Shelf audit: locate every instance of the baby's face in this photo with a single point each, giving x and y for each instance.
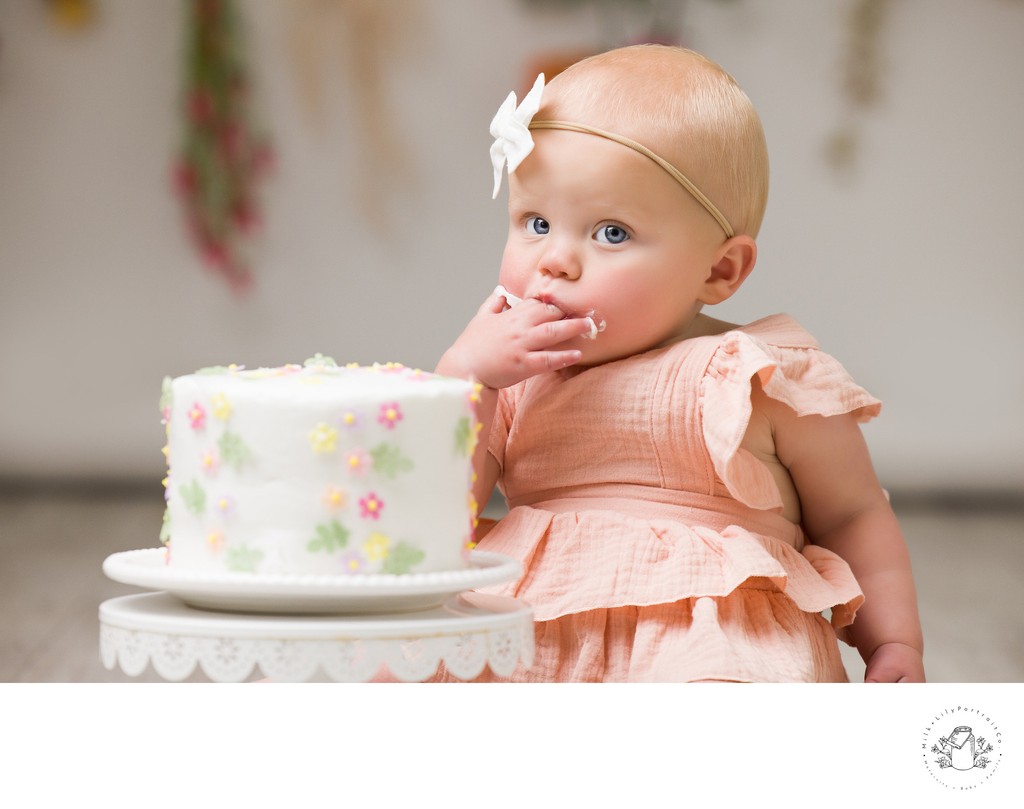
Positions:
(600, 230)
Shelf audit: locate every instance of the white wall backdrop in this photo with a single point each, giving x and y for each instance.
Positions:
(906, 268)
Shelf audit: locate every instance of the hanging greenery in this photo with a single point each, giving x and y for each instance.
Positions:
(222, 156)
(863, 68)
(626, 22)
(72, 15)
(361, 45)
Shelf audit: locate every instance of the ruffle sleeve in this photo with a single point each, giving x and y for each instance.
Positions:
(501, 426)
(801, 376)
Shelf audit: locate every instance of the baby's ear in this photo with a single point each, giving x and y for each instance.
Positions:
(733, 262)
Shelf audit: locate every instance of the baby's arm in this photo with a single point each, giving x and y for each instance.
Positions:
(845, 510)
(500, 347)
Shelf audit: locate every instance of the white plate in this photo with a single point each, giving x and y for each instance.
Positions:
(307, 593)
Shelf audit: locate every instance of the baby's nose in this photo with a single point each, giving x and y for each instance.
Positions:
(561, 261)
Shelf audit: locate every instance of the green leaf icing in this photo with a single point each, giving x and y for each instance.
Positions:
(464, 436)
(165, 394)
(320, 359)
(389, 461)
(165, 528)
(233, 450)
(243, 560)
(194, 497)
(402, 559)
(330, 537)
(213, 370)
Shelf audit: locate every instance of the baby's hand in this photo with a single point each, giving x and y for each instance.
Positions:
(895, 663)
(501, 347)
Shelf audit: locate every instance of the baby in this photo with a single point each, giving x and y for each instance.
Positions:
(687, 496)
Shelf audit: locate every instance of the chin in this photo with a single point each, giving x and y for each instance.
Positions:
(597, 355)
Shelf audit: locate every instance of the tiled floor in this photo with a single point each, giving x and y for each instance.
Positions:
(969, 564)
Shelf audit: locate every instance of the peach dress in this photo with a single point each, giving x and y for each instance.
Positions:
(653, 545)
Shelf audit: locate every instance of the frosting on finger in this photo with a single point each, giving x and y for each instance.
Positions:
(510, 299)
(596, 326)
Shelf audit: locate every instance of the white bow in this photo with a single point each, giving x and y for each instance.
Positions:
(510, 128)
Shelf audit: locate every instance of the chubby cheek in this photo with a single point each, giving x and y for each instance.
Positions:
(512, 272)
(618, 304)
(636, 319)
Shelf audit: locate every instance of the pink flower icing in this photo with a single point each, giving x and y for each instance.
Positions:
(371, 506)
(197, 416)
(390, 415)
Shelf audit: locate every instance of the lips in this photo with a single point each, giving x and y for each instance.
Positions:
(597, 324)
(551, 299)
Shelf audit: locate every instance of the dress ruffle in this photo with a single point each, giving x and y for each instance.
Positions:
(599, 559)
(801, 376)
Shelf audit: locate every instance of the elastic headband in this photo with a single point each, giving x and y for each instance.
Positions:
(677, 175)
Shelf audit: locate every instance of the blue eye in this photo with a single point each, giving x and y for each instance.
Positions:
(611, 234)
(538, 226)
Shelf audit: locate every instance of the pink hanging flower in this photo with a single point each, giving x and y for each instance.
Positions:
(371, 506)
(184, 178)
(390, 415)
(200, 106)
(197, 416)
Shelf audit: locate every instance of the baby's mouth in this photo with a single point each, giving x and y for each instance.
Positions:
(597, 324)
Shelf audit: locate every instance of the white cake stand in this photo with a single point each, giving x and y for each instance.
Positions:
(467, 632)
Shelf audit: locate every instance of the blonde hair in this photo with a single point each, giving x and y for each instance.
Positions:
(683, 107)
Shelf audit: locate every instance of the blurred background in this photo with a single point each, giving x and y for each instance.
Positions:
(343, 206)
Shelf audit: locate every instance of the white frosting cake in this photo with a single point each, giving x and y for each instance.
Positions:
(319, 469)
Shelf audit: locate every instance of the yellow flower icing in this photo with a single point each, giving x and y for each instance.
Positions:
(221, 407)
(377, 546)
(323, 438)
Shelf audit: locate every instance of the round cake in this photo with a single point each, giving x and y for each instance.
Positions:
(319, 469)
